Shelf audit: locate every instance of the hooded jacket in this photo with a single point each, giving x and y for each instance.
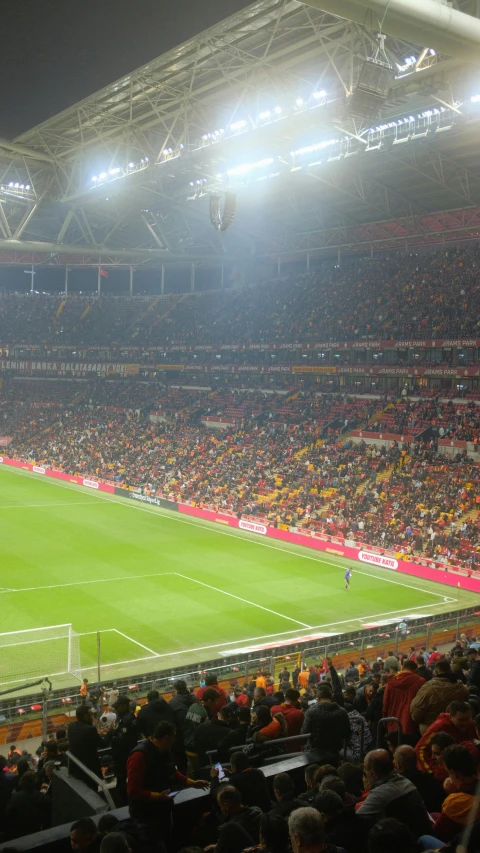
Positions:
(180, 703)
(399, 692)
(153, 713)
(423, 748)
(328, 726)
(455, 813)
(433, 699)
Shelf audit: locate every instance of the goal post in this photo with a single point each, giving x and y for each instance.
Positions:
(51, 652)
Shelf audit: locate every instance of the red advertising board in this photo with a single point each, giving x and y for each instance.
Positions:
(59, 475)
(365, 554)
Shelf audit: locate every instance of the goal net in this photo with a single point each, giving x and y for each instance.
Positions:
(52, 652)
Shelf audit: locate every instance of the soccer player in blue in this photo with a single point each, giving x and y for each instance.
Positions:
(348, 574)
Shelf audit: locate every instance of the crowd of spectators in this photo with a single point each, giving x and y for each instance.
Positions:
(401, 297)
(367, 786)
(281, 460)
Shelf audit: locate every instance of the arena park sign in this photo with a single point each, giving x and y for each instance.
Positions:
(378, 560)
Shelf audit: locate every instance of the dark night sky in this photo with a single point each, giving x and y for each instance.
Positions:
(55, 52)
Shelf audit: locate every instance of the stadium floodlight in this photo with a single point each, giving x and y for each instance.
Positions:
(131, 165)
(114, 171)
(317, 146)
(238, 125)
(102, 176)
(266, 114)
(17, 185)
(320, 94)
(475, 99)
(248, 167)
(11, 184)
(277, 110)
(299, 102)
(94, 179)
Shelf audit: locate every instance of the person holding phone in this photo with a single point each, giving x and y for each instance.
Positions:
(151, 777)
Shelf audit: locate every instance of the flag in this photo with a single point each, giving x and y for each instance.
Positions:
(103, 273)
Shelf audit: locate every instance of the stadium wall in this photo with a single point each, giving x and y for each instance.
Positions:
(363, 553)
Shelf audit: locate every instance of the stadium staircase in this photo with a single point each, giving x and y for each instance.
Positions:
(470, 517)
(60, 308)
(87, 310)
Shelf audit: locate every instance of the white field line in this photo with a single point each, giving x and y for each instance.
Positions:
(244, 538)
(43, 506)
(4, 591)
(245, 600)
(135, 642)
(247, 641)
(242, 642)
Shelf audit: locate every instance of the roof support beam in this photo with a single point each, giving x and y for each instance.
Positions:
(430, 23)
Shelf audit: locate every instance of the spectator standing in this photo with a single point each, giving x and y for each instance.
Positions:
(351, 673)
(327, 724)
(28, 810)
(181, 702)
(151, 775)
(237, 737)
(84, 694)
(433, 657)
(209, 735)
(422, 669)
(390, 660)
(154, 712)
(293, 715)
(400, 690)
(211, 682)
(84, 742)
(123, 738)
(473, 676)
(434, 697)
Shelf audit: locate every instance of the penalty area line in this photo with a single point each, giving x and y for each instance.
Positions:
(245, 600)
(85, 583)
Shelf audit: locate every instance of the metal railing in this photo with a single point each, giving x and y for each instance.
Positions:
(364, 643)
(91, 775)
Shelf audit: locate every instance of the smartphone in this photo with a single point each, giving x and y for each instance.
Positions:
(173, 793)
(221, 772)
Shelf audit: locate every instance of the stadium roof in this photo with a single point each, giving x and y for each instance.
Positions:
(258, 106)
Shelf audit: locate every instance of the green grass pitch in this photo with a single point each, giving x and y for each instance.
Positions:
(165, 589)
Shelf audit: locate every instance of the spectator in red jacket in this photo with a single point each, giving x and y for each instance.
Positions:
(211, 681)
(293, 714)
(457, 722)
(400, 689)
(434, 656)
